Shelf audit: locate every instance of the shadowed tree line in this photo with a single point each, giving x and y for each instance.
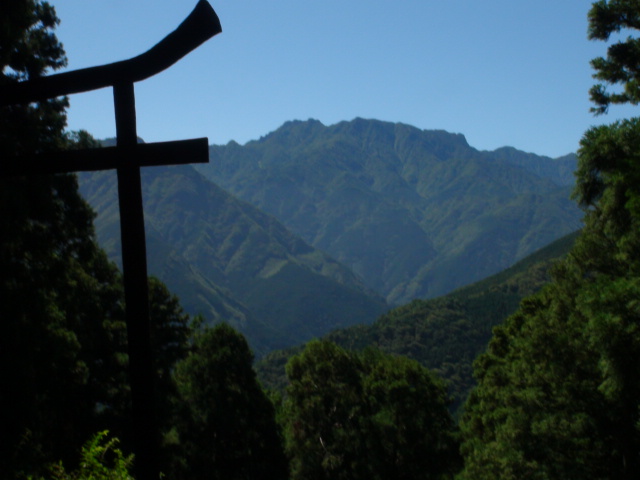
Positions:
(63, 348)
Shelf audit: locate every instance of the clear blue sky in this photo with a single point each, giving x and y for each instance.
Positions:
(501, 72)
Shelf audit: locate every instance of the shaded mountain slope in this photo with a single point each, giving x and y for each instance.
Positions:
(559, 170)
(414, 213)
(229, 261)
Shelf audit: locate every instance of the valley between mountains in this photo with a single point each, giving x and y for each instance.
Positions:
(313, 228)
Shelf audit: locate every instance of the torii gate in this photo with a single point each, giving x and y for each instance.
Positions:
(127, 158)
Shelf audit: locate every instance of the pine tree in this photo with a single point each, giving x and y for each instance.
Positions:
(366, 416)
(227, 427)
(559, 390)
(47, 256)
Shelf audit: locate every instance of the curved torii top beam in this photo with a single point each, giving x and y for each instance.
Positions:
(201, 24)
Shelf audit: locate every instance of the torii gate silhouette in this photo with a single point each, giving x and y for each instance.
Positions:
(127, 157)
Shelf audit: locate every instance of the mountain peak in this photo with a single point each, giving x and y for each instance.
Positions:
(293, 132)
(390, 132)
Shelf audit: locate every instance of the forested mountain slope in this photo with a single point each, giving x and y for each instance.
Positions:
(447, 333)
(229, 261)
(415, 213)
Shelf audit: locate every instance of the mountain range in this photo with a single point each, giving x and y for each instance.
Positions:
(314, 228)
(415, 213)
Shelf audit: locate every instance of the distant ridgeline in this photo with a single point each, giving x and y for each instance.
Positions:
(340, 222)
(415, 213)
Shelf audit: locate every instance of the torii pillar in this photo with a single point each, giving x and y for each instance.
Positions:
(127, 158)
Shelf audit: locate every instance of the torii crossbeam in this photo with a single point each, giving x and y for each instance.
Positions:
(127, 158)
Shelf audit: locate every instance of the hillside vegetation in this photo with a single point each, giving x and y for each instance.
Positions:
(415, 213)
(444, 334)
(403, 213)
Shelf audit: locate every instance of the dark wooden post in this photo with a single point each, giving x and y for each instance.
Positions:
(136, 290)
